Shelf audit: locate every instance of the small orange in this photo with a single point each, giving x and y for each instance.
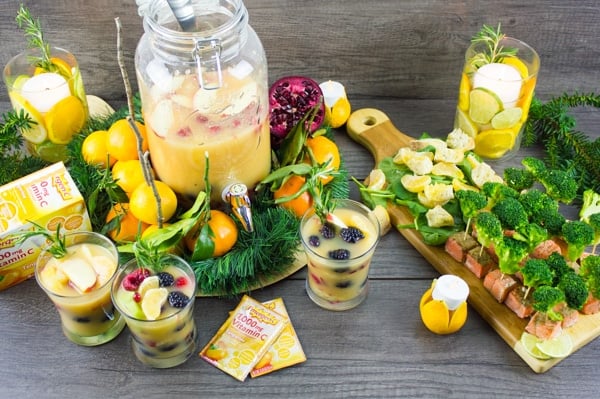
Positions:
(324, 150)
(224, 230)
(94, 150)
(129, 225)
(143, 204)
(128, 174)
(290, 187)
(122, 141)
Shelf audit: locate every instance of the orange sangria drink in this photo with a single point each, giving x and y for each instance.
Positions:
(339, 254)
(186, 122)
(51, 93)
(158, 304)
(495, 93)
(79, 284)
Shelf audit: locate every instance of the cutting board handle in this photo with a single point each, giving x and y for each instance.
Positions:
(373, 129)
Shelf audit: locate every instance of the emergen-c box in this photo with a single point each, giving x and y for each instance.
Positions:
(49, 198)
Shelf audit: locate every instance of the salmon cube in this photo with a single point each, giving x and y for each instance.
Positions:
(479, 262)
(516, 301)
(458, 244)
(499, 284)
(545, 249)
(543, 327)
(570, 316)
(591, 306)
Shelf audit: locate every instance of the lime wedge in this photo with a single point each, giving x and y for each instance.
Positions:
(153, 301)
(558, 347)
(484, 104)
(507, 118)
(530, 342)
(50, 151)
(463, 123)
(37, 131)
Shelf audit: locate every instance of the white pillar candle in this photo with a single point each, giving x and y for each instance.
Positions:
(332, 92)
(45, 90)
(451, 289)
(503, 79)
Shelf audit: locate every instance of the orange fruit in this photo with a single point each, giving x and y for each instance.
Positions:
(129, 225)
(65, 119)
(224, 233)
(143, 204)
(290, 187)
(122, 141)
(325, 150)
(94, 150)
(128, 174)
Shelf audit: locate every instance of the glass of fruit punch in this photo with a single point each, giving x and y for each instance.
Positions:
(78, 280)
(156, 298)
(495, 93)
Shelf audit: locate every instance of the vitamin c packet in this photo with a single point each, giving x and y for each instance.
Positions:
(244, 338)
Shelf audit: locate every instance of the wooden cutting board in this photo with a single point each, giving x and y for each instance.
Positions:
(374, 130)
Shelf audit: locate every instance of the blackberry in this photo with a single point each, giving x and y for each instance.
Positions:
(339, 254)
(178, 299)
(351, 235)
(343, 284)
(165, 279)
(314, 241)
(327, 231)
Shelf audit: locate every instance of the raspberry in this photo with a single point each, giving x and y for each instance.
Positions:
(165, 279)
(351, 235)
(181, 281)
(339, 254)
(132, 281)
(178, 299)
(137, 297)
(314, 241)
(327, 231)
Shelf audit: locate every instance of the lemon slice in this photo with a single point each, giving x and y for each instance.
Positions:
(65, 119)
(494, 143)
(339, 113)
(484, 105)
(463, 92)
(507, 118)
(415, 183)
(558, 347)
(153, 301)
(62, 67)
(147, 284)
(518, 64)
(447, 169)
(463, 123)
(376, 180)
(37, 131)
(529, 342)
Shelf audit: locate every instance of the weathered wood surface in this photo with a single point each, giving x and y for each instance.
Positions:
(402, 57)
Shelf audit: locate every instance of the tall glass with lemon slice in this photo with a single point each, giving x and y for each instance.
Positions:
(495, 94)
(52, 96)
(157, 302)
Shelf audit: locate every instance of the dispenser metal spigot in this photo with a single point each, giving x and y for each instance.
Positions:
(236, 195)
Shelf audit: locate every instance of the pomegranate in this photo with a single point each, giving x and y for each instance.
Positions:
(290, 99)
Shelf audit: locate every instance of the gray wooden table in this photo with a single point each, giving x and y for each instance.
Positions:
(403, 57)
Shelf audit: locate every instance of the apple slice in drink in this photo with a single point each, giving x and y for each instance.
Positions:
(81, 274)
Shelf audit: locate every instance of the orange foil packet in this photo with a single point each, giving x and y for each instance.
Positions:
(286, 350)
(244, 338)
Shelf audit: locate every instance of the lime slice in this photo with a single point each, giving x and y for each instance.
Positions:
(19, 82)
(153, 301)
(558, 347)
(484, 104)
(65, 119)
(76, 83)
(507, 118)
(463, 123)
(494, 143)
(37, 131)
(530, 342)
(147, 284)
(50, 151)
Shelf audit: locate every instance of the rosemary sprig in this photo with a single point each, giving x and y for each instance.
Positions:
(57, 247)
(35, 37)
(565, 147)
(491, 39)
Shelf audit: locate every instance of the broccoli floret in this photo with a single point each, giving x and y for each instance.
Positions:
(552, 220)
(533, 234)
(590, 272)
(575, 289)
(559, 185)
(518, 179)
(559, 266)
(578, 236)
(536, 272)
(534, 166)
(510, 253)
(594, 221)
(590, 205)
(471, 202)
(536, 202)
(495, 191)
(545, 298)
(489, 229)
(511, 213)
